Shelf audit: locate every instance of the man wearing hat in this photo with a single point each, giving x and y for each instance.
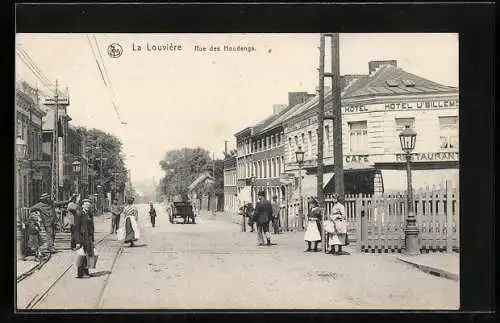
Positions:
(47, 209)
(263, 215)
(71, 214)
(276, 215)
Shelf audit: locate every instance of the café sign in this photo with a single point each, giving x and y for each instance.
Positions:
(439, 156)
(362, 159)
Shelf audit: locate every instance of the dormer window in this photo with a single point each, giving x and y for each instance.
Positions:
(409, 83)
(392, 83)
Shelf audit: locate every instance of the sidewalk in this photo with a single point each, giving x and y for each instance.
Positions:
(439, 263)
(29, 264)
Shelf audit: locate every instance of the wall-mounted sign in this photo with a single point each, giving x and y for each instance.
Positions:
(363, 159)
(421, 105)
(52, 101)
(440, 156)
(355, 108)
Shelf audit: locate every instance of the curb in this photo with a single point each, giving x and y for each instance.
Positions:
(432, 270)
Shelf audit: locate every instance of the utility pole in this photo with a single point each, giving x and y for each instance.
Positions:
(321, 115)
(338, 154)
(55, 151)
(225, 147)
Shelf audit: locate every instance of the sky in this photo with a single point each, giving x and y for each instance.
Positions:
(171, 99)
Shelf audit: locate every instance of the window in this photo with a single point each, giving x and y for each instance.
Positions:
(358, 139)
(327, 144)
(401, 123)
(274, 168)
(19, 127)
(290, 147)
(310, 140)
(448, 132)
(304, 144)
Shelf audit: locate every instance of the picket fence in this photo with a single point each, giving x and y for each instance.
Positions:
(376, 222)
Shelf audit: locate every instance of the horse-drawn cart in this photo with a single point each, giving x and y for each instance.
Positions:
(182, 210)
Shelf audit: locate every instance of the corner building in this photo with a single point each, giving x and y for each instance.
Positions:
(375, 109)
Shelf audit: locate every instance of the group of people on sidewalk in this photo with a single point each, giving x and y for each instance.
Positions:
(266, 216)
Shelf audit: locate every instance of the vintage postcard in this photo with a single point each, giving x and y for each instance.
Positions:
(237, 171)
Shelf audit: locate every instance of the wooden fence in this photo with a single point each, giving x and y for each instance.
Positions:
(376, 222)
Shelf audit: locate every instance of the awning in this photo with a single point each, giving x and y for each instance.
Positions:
(245, 194)
(310, 184)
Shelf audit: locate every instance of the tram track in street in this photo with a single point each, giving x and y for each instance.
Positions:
(39, 297)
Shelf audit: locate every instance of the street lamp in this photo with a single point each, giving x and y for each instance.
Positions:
(76, 170)
(407, 139)
(299, 156)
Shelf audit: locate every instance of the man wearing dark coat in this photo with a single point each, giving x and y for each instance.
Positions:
(84, 229)
(47, 209)
(263, 215)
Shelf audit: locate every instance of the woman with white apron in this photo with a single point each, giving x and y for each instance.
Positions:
(313, 231)
(129, 232)
(337, 236)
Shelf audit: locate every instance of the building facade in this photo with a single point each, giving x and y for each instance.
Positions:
(30, 169)
(230, 185)
(375, 109)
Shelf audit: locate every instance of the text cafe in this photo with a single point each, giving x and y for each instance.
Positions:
(443, 104)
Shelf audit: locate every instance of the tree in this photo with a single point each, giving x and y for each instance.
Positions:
(114, 173)
(182, 167)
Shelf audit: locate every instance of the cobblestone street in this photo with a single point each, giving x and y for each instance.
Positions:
(212, 265)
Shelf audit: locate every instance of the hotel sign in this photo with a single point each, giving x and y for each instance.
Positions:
(398, 106)
(421, 105)
(440, 156)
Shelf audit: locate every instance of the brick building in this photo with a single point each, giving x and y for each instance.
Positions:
(230, 185)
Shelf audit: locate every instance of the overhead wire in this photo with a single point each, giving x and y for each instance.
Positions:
(35, 70)
(106, 80)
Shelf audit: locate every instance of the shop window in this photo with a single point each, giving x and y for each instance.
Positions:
(358, 136)
(448, 128)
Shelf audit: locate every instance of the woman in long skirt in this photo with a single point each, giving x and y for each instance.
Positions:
(313, 232)
(339, 236)
(131, 216)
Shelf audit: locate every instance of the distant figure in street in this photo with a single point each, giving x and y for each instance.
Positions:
(152, 214)
(339, 236)
(247, 211)
(313, 231)
(276, 215)
(47, 210)
(116, 211)
(263, 215)
(84, 228)
(131, 215)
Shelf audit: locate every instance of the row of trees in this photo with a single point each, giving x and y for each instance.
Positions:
(100, 144)
(183, 166)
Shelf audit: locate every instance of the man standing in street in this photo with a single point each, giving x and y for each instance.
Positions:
(276, 215)
(263, 215)
(47, 209)
(152, 214)
(71, 214)
(116, 211)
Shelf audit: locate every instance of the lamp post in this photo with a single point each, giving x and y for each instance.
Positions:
(99, 199)
(76, 170)
(407, 139)
(299, 156)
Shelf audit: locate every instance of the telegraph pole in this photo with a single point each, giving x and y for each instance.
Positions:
(55, 150)
(338, 154)
(321, 115)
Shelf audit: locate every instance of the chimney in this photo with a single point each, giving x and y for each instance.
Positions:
(295, 98)
(374, 65)
(277, 108)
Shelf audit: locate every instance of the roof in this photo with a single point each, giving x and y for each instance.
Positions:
(200, 179)
(391, 80)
